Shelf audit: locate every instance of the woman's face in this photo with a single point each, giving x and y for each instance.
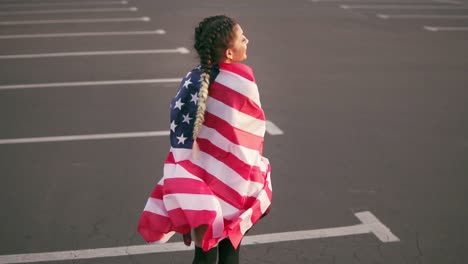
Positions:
(238, 50)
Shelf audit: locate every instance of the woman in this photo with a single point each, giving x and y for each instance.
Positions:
(216, 183)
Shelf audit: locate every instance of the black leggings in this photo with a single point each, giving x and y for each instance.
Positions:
(225, 251)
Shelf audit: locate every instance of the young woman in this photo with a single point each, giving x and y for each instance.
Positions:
(216, 182)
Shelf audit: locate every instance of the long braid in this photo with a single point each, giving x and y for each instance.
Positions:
(212, 38)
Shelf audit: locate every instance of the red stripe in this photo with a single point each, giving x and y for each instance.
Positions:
(239, 69)
(248, 172)
(187, 219)
(157, 192)
(233, 134)
(184, 185)
(152, 227)
(236, 100)
(218, 187)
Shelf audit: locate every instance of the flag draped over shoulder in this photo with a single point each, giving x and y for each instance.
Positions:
(228, 186)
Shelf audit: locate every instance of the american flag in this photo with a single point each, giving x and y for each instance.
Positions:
(227, 186)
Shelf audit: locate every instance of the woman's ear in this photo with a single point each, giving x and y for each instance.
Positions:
(229, 54)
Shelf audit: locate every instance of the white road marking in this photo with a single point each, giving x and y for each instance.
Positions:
(92, 137)
(66, 4)
(90, 83)
(419, 7)
(84, 34)
(415, 16)
(435, 28)
(370, 224)
(447, 2)
(83, 137)
(272, 129)
(94, 53)
(63, 21)
(76, 10)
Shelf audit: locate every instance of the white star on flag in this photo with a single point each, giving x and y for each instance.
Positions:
(187, 83)
(194, 98)
(187, 118)
(181, 139)
(173, 126)
(178, 104)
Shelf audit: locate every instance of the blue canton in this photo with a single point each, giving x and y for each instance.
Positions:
(183, 110)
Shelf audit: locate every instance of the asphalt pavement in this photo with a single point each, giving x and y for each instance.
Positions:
(372, 100)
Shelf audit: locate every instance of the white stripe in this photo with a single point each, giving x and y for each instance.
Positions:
(178, 171)
(93, 53)
(239, 84)
(62, 21)
(375, 226)
(415, 16)
(420, 7)
(265, 202)
(436, 28)
(227, 175)
(190, 201)
(84, 137)
(447, 2)
(249, 156)
(229, 212)
(246, 222)
(235, 118)
(84, 34)
(77, 10)
(66, 4)
(156, 206)
(94, 83)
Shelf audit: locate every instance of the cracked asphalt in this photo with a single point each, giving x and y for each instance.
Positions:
(374, 113)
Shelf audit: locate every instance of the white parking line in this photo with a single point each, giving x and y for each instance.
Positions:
(447, 2)
(90, 83)
(76, 10)
(84, 34)
(419, 7)
(66, 4)
(416, 16)
(272, 129)
(83, 137)
(370, 224)
(63, 21)
(103, 136)
(435, 28)
(181, 50)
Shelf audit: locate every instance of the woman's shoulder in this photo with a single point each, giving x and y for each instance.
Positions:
(239, 69)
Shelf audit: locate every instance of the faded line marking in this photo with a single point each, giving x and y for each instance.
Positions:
(90, 83)
(272, 129)
(370, 224)
(181, 50)
(419, 7)
(416, 16)
(84, 137)
(64, 21)
(66, 4)
(84, 34)
(436, 28)
(76, 10)
(87, 137)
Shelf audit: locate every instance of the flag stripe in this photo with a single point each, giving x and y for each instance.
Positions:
(236, 118)
(235, 100)
(248, 156)
(248, 172)
(239, 70)
(235, 135)
(239, 84)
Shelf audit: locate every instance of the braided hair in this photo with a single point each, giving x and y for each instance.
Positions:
(212, 37)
